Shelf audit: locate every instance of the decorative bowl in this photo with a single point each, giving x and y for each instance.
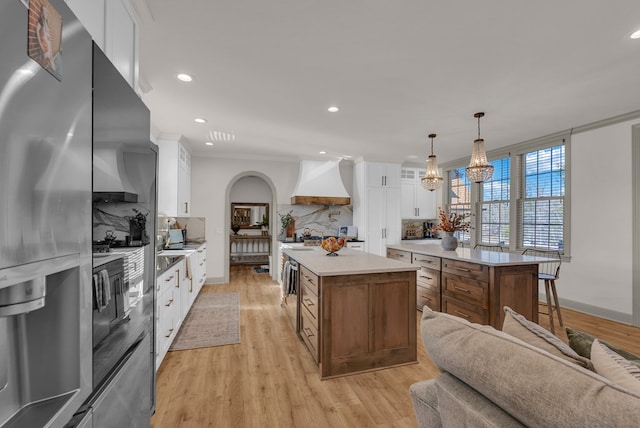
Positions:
(332, 245)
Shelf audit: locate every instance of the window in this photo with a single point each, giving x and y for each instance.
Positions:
(460, 198)
(525, 203)
(495, 205)
(542, 194)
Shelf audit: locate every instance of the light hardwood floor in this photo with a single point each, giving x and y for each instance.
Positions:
(270, 380)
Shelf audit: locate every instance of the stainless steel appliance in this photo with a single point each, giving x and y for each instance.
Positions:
(124, 360)
(50, 373)
(45, 225)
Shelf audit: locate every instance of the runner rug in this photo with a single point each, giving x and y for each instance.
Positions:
(214, 320)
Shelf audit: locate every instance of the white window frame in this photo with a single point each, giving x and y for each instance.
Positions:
(494, 204)
(514, 153)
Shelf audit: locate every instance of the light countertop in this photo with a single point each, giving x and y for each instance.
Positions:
(489, 258)
(347, 262)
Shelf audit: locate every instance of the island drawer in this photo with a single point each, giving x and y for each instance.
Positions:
(404, 256)
(309, 278)
(309, 334)
(310, 302)
(430, 262)
(464, 310)
(430, 298)
(428, 278)
(466, 269)
(465, 289)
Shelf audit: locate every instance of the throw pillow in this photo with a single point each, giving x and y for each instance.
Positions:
(614, 367)
(529, 332)
(581, 343)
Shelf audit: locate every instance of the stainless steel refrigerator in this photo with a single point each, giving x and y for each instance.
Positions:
(51, 374)
(45, 219)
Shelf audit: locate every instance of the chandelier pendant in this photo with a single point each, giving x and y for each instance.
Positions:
(479, 169)
(432, 179)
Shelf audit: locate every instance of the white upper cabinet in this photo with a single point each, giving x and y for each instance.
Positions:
(113, 26)
(174, 178)
(383, 174)
(376, 205)
(417, 202)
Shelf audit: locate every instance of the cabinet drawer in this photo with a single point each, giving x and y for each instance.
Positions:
(429, 279)
(166, 280)
(310, 301)
(430, 298)
(404, 256)
(309, 334)
(430, 262)
(465, 289)
(464, 310)
(309, 279)
(466, 269)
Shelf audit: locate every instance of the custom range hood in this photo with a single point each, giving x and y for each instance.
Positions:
(110, 182)
(319, 183)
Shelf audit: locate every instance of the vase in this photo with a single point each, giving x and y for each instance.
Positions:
(449, 241)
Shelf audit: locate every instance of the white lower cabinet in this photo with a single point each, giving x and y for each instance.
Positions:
(200, 270)
(356, 245)
(175, 294)
(167, 310)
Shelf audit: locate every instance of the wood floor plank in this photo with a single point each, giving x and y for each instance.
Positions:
(271, 380)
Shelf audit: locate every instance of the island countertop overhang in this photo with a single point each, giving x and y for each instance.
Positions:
(489, 258)
(347, 262)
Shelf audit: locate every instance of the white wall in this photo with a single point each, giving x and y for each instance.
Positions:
(210, 179)
(251, 189)
(600, 271)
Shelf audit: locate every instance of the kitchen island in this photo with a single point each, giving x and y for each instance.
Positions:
(473, 284)
(356, 311)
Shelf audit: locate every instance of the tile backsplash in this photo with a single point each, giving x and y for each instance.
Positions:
(320, 219)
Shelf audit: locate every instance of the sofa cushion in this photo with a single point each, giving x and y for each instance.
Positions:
(518, 326)
(581, 343)
(425, 403)
(614, 367)
(533, 386)
(462, 406)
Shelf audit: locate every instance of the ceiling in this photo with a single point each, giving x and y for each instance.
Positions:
(267, 71)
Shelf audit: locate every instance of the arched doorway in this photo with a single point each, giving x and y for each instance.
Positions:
(250, 190)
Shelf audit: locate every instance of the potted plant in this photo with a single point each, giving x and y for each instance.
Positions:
(288, 223)
(449, 224)
(264, 225)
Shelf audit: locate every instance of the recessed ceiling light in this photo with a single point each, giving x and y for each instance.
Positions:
(347, 156)
(209, 143)
(200, 120)
(333, 109)
(184, 77)
(636, 35)
(323, 152)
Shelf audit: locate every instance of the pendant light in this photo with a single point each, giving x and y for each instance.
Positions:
(432, 180)
(479, 169)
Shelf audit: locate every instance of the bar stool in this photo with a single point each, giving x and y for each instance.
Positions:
(488, 247)
(549, 272)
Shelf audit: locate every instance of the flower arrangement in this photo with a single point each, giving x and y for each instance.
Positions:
(451, 222)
